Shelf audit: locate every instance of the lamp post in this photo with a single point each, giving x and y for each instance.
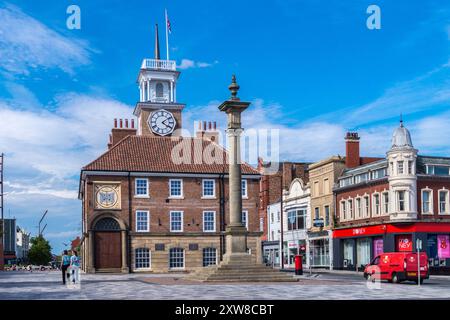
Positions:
(43, 216)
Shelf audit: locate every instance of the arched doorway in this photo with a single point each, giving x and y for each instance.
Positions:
(108, 244)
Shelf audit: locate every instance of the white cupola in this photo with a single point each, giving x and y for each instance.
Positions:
(402, 158)
(158, 112)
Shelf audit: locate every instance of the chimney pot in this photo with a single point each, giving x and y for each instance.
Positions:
(132, 123)
(121, 123)
(115, 123)
(204, 125)
(209, 126)
(214, 125)
(126, 123)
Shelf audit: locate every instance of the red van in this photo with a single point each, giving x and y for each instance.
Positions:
(397, 267)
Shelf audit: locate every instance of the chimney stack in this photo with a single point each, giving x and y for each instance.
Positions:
(352, 157)
(207, 130)
(118, 133)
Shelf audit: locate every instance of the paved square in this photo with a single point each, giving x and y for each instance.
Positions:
(47, 285)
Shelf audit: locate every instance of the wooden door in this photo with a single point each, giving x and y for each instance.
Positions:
(108, 250)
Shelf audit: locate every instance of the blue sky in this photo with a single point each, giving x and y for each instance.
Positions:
(312, 69)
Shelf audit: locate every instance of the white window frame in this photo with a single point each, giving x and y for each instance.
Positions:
(148, 220)
(246, 218)
(401, 172)
(181, 196)
(397, 200)
(383, 203)
(214, 221)
(182, 220)
(184, 259)
(244, 194)
(213, 196)
(343, 215)
(146, 195)
(367, 206)
(374, 204)
(149, 260)
(358, 211)
(431, 205)
(447, 204)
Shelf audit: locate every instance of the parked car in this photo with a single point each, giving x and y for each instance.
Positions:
(397, 267)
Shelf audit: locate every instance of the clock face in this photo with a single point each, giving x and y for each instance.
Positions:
(162, 122)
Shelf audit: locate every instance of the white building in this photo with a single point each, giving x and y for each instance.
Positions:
(272, 245)
(296, 221)
(22, 244)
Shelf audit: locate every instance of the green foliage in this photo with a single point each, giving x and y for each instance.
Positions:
(40, 251)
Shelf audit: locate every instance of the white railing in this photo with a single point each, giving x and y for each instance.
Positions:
(159, 64)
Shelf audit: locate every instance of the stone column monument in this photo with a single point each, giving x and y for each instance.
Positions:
(237, 264)
(236, 233)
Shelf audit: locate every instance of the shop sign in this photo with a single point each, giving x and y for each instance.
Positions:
(404, 243)
(292, 244)
(443, 246)
(359, 231)
(318, 223)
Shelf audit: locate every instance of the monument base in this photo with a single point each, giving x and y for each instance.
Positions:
(238, 265)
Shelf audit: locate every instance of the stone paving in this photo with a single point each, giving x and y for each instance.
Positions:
(47, 285)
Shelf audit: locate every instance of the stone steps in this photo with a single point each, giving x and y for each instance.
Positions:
(242, 273)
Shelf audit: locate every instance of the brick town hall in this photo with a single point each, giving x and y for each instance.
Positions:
(142, 208)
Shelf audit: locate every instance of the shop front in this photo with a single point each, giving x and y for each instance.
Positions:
(271, 253)
(291, 248)
(320, 249)
(353, 248)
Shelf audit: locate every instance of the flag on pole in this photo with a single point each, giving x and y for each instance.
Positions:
(168, 30)
(168, 24)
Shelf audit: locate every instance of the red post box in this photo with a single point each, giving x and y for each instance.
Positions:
(298, 265)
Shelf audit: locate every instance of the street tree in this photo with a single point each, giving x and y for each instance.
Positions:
(40, 251)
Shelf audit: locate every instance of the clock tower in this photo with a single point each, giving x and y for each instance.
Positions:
(157, 112)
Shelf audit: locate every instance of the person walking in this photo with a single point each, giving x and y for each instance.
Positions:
(65, 263)
(75, 267)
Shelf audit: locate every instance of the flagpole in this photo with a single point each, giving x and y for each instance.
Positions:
(167, 38)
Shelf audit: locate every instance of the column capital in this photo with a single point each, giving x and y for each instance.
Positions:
(234, 132)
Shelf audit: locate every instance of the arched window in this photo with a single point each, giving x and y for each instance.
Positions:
(159, 90)
(142, 258)
(107, 224)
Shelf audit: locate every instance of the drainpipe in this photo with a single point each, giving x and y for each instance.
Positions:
(281, 221)
(222, 214)
(130, 212)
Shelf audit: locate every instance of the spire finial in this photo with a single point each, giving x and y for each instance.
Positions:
(401, 120)
(234, 88)
(156, 42)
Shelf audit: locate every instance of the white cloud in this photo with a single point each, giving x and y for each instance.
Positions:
(27, 44)
(45, 150)
(188, 64)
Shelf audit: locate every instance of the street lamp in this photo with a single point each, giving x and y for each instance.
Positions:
(43, 216)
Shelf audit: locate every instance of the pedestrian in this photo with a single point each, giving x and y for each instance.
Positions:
(65, 263)
(75, 267)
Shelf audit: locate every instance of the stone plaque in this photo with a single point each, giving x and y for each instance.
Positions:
(160, 247)
(193, 246)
